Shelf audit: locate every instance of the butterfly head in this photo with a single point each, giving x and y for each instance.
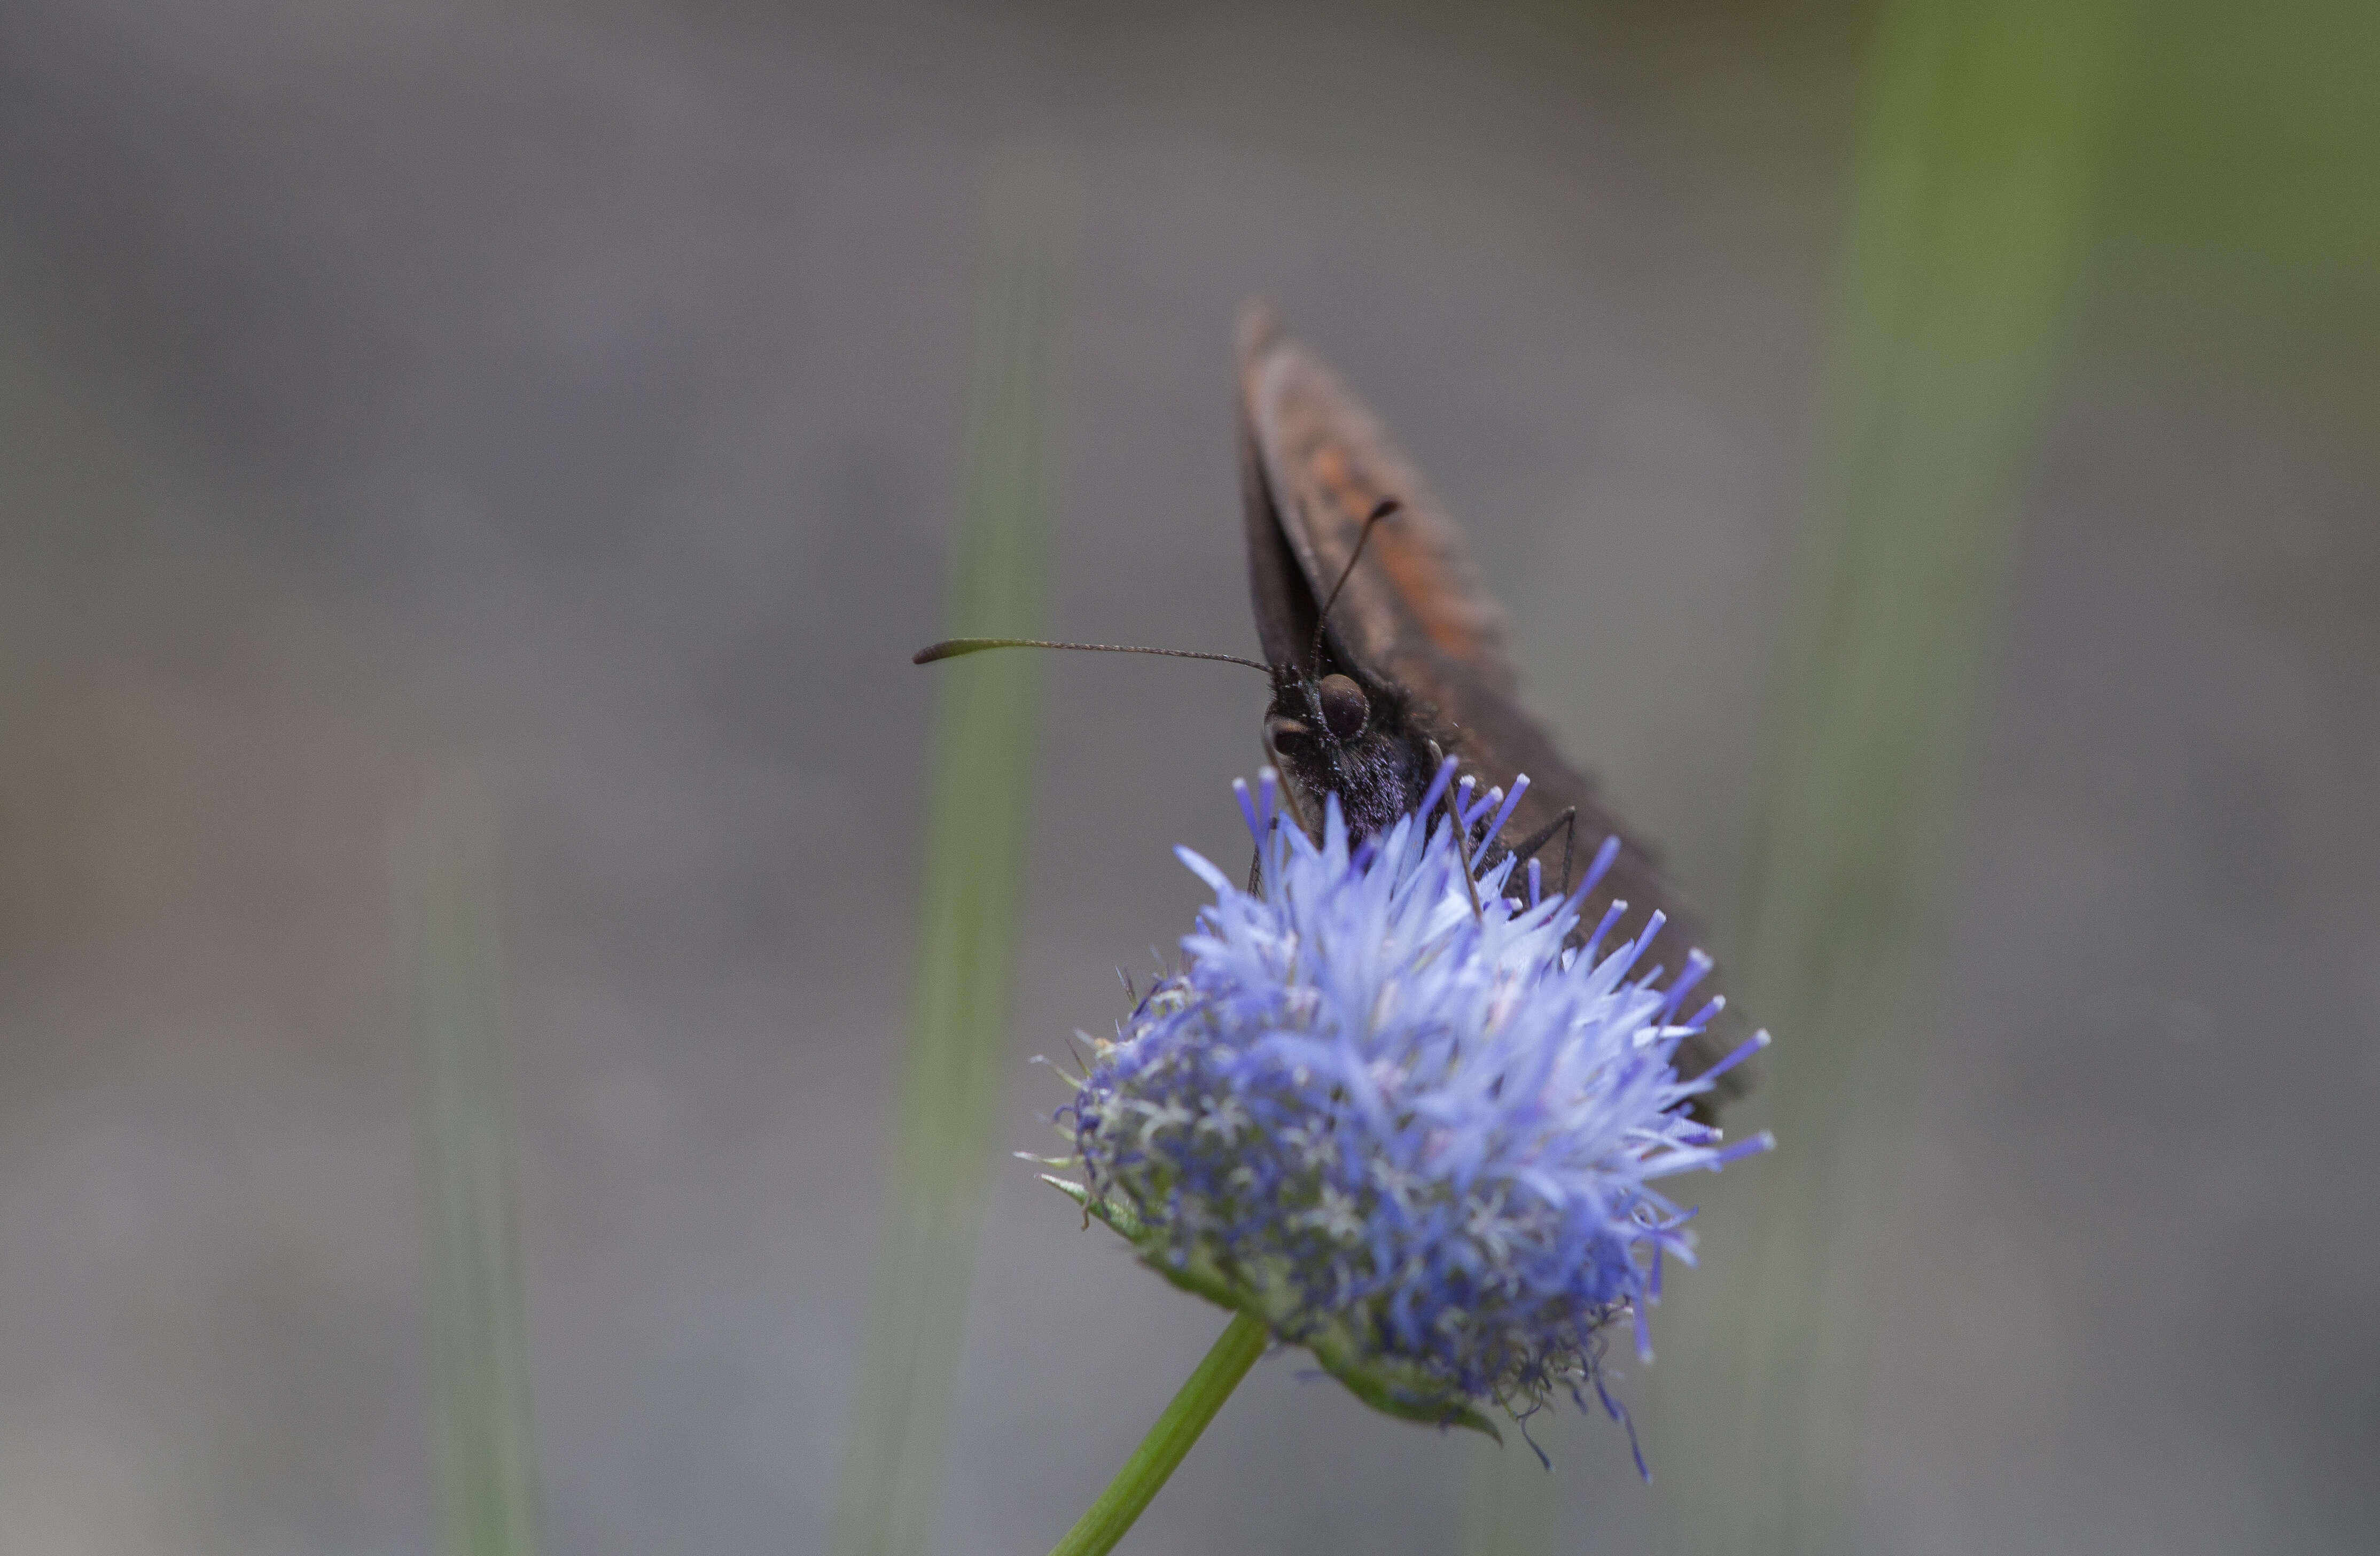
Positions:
(1333, 733)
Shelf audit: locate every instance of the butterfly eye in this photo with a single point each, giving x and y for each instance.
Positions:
(1344, 709)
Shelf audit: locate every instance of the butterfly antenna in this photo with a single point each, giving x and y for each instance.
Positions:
(950, 648)
(1385, 506)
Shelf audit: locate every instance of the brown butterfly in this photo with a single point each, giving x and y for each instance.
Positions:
(1387, 654)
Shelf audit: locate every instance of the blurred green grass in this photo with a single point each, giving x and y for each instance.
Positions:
(954, 1074)
(1977, 173)
(2245, 183)
(484, 1438)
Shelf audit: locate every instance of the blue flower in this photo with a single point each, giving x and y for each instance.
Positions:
(1401, 1118)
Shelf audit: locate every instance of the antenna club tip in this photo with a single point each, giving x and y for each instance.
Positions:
(930, 653)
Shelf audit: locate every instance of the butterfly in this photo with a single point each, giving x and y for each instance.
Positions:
(1386, 655)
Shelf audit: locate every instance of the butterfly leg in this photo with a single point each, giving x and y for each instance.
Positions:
(1567, 824)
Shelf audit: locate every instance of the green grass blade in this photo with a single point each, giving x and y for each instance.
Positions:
(1978, 165)
(1510, 1505)
(484, 1442)
(953, 1075)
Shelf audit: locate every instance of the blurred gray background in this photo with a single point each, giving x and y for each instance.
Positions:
(565, 402)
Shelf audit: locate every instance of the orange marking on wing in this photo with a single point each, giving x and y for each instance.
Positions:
(1420, 580)
(1417, 573)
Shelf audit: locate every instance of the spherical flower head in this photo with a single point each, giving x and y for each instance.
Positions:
(1412, 1124)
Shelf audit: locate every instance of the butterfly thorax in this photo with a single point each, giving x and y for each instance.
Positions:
(1363, 741)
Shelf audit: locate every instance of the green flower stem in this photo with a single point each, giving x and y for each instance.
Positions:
(1153, 1462)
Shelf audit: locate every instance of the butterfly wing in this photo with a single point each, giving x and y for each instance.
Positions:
(1315, 464)
(1324, 462)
